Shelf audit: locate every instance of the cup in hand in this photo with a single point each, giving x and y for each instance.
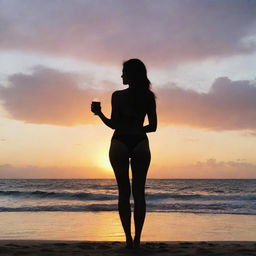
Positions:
(95, 106)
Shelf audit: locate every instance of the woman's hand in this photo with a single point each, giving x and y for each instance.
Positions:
(95, 109)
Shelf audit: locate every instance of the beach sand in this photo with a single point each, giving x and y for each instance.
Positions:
(54, 247)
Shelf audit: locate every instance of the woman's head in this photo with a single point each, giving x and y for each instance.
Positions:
(135, 74)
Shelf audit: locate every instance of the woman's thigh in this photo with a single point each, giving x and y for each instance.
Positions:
(119, 159)
(140, 162)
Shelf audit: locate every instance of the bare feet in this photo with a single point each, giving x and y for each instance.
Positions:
(129, 243)
(136, 243)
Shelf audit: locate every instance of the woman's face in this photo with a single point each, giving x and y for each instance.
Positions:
(125, 77)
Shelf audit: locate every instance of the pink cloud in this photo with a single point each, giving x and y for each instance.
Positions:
(208, 169)
(48, 96)
(229, 105)
(249, 133)
(8, 171)
(163, 33)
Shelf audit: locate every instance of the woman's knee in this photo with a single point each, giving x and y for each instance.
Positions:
(124, 191)
(140, 200)
(138, 184)
(124, 207)
(124, 201)
(138, 195)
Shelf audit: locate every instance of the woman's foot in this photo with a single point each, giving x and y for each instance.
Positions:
(129, 243)
(136, 243)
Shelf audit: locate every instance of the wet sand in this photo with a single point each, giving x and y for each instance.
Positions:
(53, 247)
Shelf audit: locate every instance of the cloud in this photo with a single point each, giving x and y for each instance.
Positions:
(8, 171)
(249, 133)
(48, 96)
(208, 169)
(163, 33)
(228, 105)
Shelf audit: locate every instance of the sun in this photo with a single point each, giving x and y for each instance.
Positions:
(103, 163)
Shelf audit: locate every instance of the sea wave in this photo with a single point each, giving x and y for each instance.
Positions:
(83, 196)
(185, 208)
(87, 196)
(202, 197)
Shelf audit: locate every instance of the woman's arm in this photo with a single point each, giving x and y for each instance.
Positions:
(152, 118)
(112, 122)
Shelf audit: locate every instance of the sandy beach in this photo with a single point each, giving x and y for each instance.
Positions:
(38, 222)
(51, 247)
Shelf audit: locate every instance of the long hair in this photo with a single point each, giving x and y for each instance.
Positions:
(136, 71)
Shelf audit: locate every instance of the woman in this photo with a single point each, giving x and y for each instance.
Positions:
(129, 141)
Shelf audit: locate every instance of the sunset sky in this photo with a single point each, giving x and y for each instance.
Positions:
(56, 56)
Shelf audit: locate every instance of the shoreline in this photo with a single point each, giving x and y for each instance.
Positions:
(106, 226)
(97, 248)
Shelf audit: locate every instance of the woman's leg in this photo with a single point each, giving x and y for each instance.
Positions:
(119, 159)
(140, 161)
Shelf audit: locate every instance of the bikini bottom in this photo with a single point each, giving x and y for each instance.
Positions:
(130, 140)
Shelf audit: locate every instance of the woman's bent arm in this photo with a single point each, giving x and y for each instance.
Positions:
(106, 120)
(112, 122)
(152, 118)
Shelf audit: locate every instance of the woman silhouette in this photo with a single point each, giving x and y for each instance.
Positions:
(129, 141)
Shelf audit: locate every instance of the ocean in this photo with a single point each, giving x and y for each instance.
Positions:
(198, 196)
(86, 209)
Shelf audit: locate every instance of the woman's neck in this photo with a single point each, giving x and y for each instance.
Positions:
(131, 86)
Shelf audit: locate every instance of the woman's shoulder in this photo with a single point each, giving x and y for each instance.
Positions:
(119, 92)
(147, 95)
